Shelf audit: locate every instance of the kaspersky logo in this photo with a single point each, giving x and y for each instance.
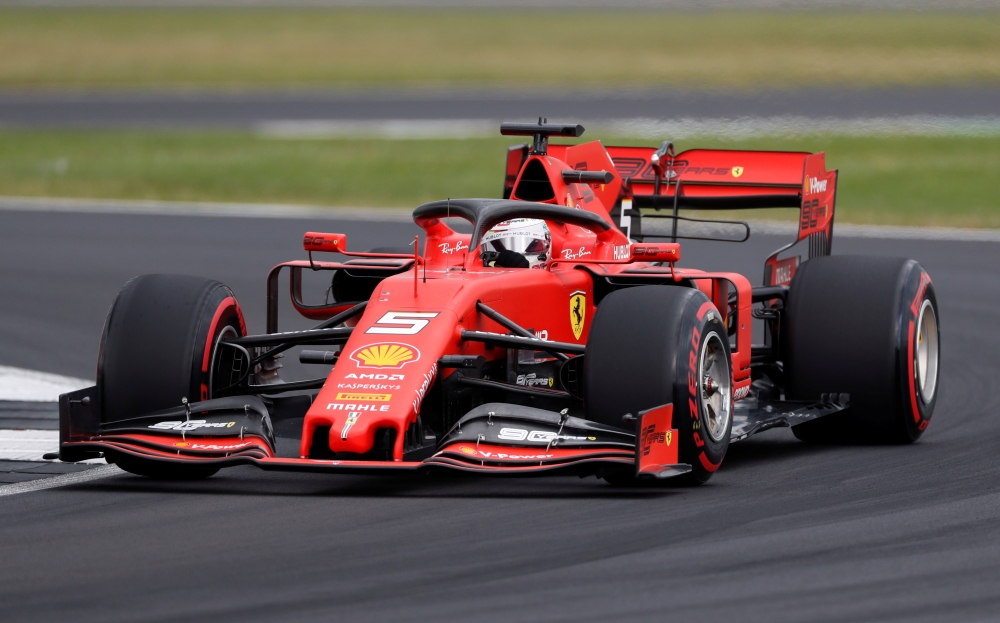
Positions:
(385, 355)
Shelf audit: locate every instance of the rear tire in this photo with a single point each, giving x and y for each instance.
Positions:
(642, 346)
(867, 326)
(157, 348)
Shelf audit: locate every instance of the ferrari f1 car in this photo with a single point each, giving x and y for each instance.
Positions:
(560, 335)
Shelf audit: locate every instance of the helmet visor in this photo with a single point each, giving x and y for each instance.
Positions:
(523, 243)
(527, 237)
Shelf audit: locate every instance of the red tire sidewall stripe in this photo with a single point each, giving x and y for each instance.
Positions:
(913, 384)
(692, 374)
(915, 308)
(704, 309)
(224, 305)
(708, 465)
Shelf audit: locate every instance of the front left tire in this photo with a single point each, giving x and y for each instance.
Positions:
(157, 349)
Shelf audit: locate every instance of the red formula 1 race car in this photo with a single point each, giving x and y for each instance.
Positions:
(555, 337)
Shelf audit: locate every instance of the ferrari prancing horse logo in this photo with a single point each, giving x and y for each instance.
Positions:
(737, 171)
(577, 312)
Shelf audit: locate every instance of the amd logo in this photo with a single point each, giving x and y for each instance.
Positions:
(376, 377)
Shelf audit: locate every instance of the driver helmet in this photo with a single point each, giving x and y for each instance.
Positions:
(528, 236)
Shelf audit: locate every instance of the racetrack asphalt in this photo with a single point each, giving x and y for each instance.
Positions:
(240, 109)
(784, 532)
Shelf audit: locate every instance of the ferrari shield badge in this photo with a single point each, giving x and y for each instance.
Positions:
(577, 312)
(737, 171)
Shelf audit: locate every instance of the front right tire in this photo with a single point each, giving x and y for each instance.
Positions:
(653, 345)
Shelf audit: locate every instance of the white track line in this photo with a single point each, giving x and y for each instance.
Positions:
(30, 445)
(788, 126)
(734, 128)
(22, 385)
(96, 473)
(27, 445)
(387, 129)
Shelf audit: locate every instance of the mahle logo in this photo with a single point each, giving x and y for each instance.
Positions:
(385, 355)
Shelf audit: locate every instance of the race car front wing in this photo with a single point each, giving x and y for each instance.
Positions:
(494, 438)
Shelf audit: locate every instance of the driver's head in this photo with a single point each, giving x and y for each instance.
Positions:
(525, 237)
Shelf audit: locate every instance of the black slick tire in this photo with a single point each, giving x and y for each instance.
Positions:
(156, 350)
(642, 350)
(853, 324)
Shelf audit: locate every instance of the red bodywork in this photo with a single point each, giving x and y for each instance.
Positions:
(416, 317)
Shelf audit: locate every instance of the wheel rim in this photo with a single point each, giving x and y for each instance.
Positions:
(716, 387)
(926, 359)
(230, 332)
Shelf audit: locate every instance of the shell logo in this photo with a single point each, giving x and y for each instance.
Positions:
(467, 450)
(385, 355)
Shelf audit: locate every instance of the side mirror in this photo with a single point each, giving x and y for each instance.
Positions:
(656, 252)
(329, 243)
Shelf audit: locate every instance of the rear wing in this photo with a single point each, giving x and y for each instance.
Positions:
(717, 179)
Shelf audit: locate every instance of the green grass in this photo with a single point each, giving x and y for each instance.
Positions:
(168, 48)
(907, 180)
(218, 166)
